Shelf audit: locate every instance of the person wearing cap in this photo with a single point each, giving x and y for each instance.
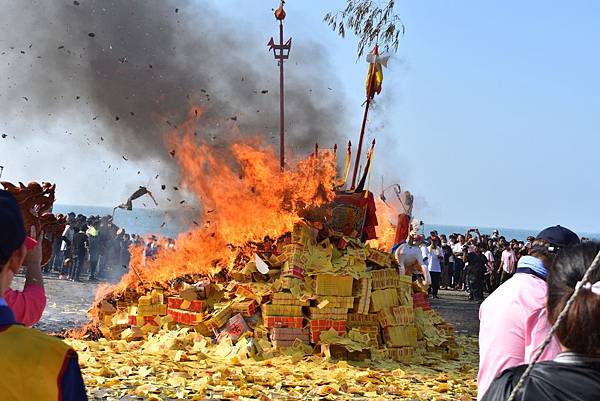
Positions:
(27, 305)
(513, 319)
(33, 366)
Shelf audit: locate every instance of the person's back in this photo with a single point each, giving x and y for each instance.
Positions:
(33, 365)
(513, 319)
(573, 375)
(80, 241)
(513, 323)
(36, 366)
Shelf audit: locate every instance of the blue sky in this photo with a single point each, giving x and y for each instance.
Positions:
(489, 111)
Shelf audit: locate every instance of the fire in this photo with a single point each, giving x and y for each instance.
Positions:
(244, 197)
(386, 231)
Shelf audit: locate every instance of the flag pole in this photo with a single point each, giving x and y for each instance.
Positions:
(364, 122)
(360, 141)
(281, 52)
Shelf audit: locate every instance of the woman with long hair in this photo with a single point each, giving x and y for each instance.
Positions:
(574, 374)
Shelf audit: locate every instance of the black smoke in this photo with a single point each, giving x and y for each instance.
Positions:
(131, 70)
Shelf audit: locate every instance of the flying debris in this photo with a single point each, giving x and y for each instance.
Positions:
(141, 191)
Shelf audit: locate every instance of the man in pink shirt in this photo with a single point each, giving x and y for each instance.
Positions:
(508, 261)
(513, 319)
(28, 305)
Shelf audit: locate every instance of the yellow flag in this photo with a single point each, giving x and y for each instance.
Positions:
(375, 75)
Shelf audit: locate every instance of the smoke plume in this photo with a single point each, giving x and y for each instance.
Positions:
(138, 67)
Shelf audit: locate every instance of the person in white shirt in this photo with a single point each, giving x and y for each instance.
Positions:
(65, 248)
(435, 256)
(459, 264)
(489, 271)
(410, 258)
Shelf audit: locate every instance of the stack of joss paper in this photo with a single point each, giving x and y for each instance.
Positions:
(315, 287)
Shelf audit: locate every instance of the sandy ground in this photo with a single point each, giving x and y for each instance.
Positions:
(68, 303)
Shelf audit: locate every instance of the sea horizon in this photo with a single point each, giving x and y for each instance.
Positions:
(170, 223)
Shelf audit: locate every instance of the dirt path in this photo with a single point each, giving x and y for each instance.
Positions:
(67, 303)
(456, 308)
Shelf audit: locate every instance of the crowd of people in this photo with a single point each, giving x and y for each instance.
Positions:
(91, 246)
(473, 262)
(546, 288)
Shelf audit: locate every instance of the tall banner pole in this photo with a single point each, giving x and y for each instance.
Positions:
(281, 52)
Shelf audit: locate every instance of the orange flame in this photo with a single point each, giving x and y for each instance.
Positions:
(386, 231)
(244, 197)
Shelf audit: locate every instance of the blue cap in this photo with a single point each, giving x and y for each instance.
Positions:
(12, 227)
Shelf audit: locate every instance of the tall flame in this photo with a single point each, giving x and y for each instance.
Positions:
(244, 196)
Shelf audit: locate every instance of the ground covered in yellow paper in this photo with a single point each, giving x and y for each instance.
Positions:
(180, 365)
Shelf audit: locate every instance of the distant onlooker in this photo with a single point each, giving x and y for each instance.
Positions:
(80, 247)
(508, 262)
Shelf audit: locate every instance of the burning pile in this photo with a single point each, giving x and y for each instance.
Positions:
(277, 274)
(309, 287)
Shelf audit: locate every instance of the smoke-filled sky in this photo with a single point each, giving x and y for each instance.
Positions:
(487, 113)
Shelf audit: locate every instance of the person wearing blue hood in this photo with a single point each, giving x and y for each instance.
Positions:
(513, 319)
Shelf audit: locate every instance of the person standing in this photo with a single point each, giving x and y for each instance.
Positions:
(513, 319)
(507, 263)
(489, 272)
(94, 247)
(435, 258)
(80, 246)
(66, 249)
(448, 266)
(475, 271)
(459, 264)
(33, 366)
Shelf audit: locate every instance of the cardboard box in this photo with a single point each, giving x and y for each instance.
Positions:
(283, 321)
(236, 326)
(328, 313)
(289, 334)
(374, 333)
(385, 278)
(281, 310)
(378, 257)
(286, 298)
(218, 318)
(335, 302)
(297, 260)
(400, 336)
(396, 316)
(328, 284)
(381, 299)
(278, 344)
(319, 325)
(363, 302)
(360, 320)
(246, 308)
(402, 354)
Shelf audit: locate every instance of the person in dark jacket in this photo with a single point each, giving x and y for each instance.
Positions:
(80, 247)
(574, 375)
(475, 272)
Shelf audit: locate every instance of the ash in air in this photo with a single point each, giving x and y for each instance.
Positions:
(139, 67)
